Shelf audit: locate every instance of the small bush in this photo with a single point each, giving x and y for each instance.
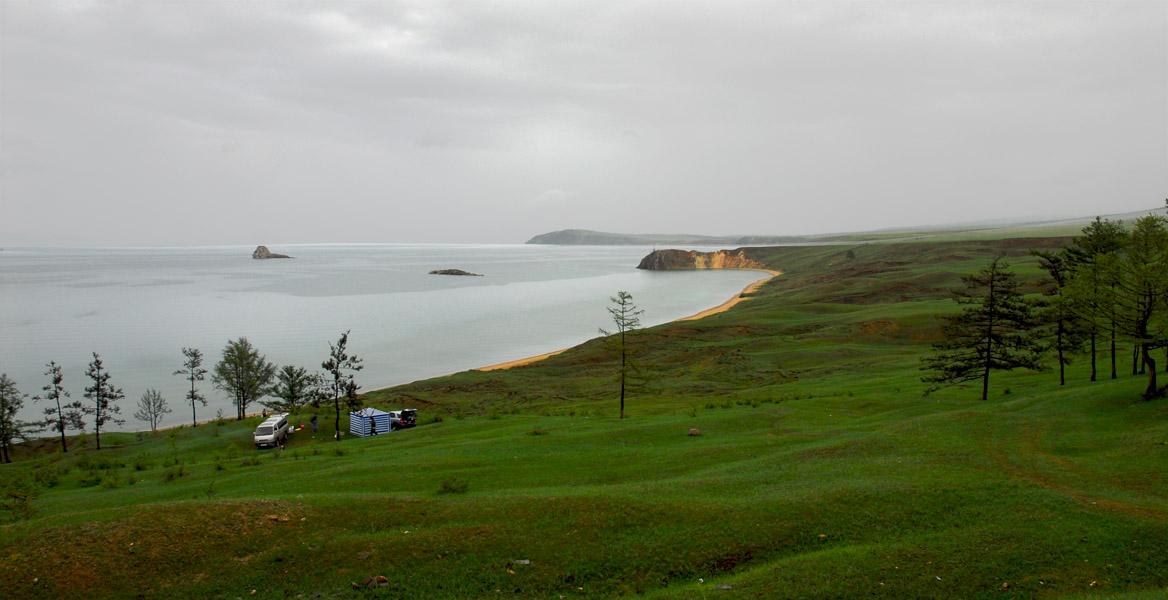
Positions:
(250, 461)
(17, 492)
(89, 479)
(537, 431)
(174, 473)
(220, 465)
(143, 462)
(339, 451)
(47, 476)
(110, 483)
(454, 485)
(693, 411)
(277, 453)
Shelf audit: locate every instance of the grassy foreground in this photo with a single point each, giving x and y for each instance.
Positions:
(819, 472)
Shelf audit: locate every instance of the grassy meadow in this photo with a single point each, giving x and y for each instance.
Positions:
(820, 471)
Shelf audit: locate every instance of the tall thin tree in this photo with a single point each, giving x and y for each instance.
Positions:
(1093, 283)
(104, 396)
(60, 417)
(1141, 292)
(626, 317)
(193, 370)
(992, 332)
(342, 367)
(1056, 316)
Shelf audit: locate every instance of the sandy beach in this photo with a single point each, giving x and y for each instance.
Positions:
(723, 307)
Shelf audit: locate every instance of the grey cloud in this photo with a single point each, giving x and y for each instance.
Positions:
(789, 116)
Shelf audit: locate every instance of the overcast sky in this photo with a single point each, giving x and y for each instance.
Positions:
(239, 122)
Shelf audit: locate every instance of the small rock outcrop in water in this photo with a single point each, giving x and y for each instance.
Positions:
(678, 260)
(454, 272)
(262, 252)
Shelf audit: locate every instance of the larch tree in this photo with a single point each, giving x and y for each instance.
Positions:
(61, 416)
(1141, 292)
(1093, 283)
(1057, 319)
(294, 387)
(193, 370)
(104, 397)
(11, 428)
(243, 373)
(151, 407)
(626, 318)
(993, 332)
(342, 367)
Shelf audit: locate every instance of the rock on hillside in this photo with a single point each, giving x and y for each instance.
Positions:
(676, 260)
(262, 252)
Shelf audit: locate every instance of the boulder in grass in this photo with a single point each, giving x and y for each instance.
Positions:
(694, 432)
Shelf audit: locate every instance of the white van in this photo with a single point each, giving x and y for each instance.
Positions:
(272, 432)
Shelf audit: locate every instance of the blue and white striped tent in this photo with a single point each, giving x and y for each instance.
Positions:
(361, 422)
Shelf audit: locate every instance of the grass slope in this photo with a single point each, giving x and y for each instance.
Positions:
(820, 472)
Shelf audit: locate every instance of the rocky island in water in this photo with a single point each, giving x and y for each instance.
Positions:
(262, 252)
(454, 272)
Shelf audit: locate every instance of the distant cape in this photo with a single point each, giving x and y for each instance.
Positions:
(584, 237)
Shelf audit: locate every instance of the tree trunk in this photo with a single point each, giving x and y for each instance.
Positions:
(1062, 364)
(621, 374)
(1092, 356)
(194, 419)
(61, 427)
(1136, 359)
(985, 378)
(1113, 372)
(1151, 362)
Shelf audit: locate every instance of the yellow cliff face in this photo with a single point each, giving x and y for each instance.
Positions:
(664, 260)
(724, 259)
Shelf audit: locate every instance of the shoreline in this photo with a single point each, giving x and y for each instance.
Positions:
(723, 307)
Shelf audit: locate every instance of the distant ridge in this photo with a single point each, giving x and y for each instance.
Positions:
(585, 237)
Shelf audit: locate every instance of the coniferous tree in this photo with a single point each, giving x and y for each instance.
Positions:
(104, 396)
(627, 318)
(342, 367)
(1093, 283)
(992, 332)
(243, 373)
(294, 387)
(194, 371)
(60, 416)
(1141, 292)
(1057, 318)
(11, 428)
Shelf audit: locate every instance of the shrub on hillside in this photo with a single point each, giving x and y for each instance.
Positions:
(454, 485)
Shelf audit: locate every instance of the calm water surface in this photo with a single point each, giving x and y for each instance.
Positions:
(139, 307)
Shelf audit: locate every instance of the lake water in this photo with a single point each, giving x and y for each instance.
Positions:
(138, 308)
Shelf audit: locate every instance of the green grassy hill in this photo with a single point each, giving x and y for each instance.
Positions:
(820, 471)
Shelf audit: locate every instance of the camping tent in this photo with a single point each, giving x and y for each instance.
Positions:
(361, 422)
